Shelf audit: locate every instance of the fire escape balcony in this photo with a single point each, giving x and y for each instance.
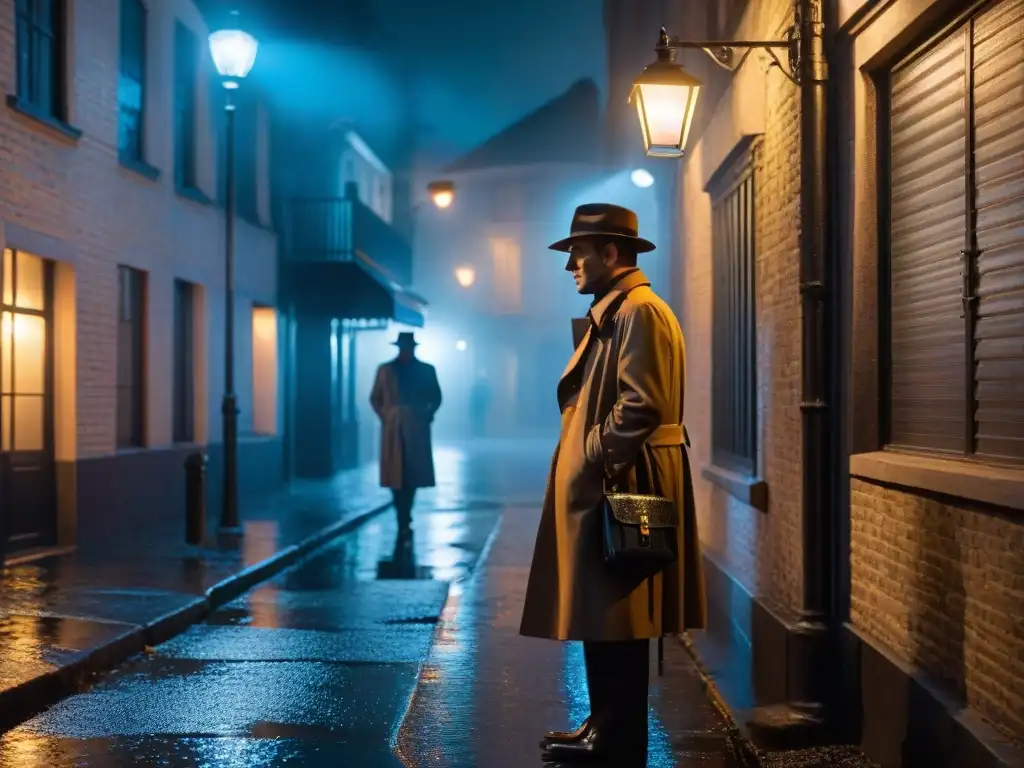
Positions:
(340, 259)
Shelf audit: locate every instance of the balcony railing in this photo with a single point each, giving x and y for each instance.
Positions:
(344, 229)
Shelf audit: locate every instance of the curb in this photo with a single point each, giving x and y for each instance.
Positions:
(395, 736)
(23, 702)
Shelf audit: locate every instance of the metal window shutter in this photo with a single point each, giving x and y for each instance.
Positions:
(999, 201)
(928, 175)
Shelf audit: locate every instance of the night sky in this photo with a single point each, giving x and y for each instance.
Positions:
(486, 64)
(474, 67)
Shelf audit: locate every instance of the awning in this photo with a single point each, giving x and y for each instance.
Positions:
(355, 289)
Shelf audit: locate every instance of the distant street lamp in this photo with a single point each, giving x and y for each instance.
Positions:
(442, 193)
(666, 95)
(234, 53)
(642, 178)
(465, 276)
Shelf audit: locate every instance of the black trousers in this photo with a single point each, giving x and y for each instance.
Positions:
(618, 675)
(403, 499)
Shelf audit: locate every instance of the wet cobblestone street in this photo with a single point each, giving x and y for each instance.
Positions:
(370, 653)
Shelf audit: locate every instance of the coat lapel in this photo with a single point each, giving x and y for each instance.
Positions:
(599, 316)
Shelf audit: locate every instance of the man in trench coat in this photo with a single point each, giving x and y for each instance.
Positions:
(622, 389)
(405, 397)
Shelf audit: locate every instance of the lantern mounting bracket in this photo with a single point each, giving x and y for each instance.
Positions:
(723, 53)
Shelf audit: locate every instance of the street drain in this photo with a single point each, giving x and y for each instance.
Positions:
(414, 620)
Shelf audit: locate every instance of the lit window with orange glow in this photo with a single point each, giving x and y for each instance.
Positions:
(264, 370)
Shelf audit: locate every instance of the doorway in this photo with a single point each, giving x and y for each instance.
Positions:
(27, 491)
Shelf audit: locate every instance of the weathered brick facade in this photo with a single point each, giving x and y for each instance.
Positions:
(70, 201)
(935, 580)
(941, 585)
(761, 549)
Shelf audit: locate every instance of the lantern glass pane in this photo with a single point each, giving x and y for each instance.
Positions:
(233, 52)
(666, 112)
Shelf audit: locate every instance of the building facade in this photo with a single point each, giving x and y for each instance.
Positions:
(921, 639)
(500, 333)
(113, 269)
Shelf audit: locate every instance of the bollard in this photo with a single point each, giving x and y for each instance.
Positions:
(195, 498)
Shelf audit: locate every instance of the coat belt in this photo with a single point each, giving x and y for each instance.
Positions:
(668, 435)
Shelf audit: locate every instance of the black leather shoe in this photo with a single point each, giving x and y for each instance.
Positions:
(590, 746)
(565, 737)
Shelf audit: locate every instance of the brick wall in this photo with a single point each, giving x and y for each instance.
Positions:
(942, 586)
(72, 202)
(762, 550)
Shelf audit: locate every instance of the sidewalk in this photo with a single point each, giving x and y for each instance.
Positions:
(67, 617)
(486, 694)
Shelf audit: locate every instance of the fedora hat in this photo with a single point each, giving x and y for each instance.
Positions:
(405, 339)
(604, 220)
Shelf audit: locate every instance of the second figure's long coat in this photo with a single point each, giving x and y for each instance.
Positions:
(622, 388)
(405, 397)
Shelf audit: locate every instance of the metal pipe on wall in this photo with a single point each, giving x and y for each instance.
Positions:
(813, 683)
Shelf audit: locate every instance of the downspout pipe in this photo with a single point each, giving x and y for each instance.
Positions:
(815, 684)
(808, 715)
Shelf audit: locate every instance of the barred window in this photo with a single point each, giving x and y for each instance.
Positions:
(734, 394)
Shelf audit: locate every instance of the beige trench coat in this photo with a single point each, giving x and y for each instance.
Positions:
(623, 387)
(405, 396)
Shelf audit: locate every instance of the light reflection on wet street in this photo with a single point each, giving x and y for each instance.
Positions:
(371, 653)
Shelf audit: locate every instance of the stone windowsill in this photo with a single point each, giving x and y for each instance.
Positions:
(1000, 486)
(752, 491)
(55, 124)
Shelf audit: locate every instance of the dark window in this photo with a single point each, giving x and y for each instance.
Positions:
(184, 362)
(131, 83)
(956, 256)
(41, 55)
(734, 385)
(130, 357)
(185, 53)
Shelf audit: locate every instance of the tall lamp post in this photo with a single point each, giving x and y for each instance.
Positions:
(234, 53)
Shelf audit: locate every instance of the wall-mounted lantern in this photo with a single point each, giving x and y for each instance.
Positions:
(442, 193)
(665, 94)
(465, 276)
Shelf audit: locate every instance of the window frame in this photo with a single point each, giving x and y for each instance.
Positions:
(961, 25)
(737, 172)
(131, 281)
(183, 363)
(27, 31)
(185, 108)
(126, 154)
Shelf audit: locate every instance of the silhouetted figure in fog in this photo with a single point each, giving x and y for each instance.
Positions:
(479, 405)
(405, 397)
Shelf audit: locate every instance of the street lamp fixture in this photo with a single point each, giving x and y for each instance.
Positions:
(641, 178)
(665, 94)
(442, 193)
(234, 53)
(465, 276)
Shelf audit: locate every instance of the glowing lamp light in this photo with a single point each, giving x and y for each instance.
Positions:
(461, 345)
(465, 276)
(666, 97)
(642, 178)
(234, 53)
(442, 193)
